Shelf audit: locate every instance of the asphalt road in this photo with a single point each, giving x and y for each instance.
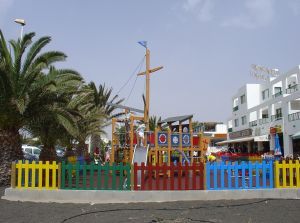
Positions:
(194, 211)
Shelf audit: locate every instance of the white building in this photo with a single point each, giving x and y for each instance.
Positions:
(260, 111)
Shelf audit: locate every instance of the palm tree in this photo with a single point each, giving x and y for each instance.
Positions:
(60, 119)
(98, 99)
(22, 92)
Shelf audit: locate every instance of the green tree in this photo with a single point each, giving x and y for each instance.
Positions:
(22, 92)
(98, 99)
(153, 122)
(59, 120)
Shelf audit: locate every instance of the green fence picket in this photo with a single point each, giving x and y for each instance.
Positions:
(84, 166)
(92, 176)
(69, 167)
(106, 175)
(77, 175)
(84, 174)
(99, 176)
(121, 170)
(114, 173)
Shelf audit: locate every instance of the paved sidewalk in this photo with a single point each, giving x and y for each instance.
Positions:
(191, 211)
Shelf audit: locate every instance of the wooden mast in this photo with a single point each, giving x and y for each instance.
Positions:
(147, 73)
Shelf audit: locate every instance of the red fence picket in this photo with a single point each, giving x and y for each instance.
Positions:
(173, 177)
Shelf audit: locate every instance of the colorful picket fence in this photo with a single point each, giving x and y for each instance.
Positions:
(287, 175)
(243, 175)
(95, 177)
(215, 176)
(173, 177)
(35, 175)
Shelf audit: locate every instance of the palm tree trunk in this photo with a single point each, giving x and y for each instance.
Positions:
(10, 150)
(95, 142)
(48, 153)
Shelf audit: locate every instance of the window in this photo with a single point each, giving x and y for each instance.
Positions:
(28, 150)
(277, 90)
(244, 120)
(278, 113)
(243, 99)
(265, 94)
(236, 122)
(37, 151)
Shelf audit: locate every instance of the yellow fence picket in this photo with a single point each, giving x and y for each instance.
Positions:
(40, 167)
(26, 167)
(297, 174)
(53, 170)
(47, 174)
(34, 175)
(19, 167)
(287, 175)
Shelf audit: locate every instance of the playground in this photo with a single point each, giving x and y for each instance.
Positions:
(170, 159)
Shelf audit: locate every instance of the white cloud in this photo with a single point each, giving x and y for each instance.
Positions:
(258, 13)
(4, 7)
(190, 5)
(202, 9)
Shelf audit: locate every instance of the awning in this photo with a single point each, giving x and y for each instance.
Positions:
(296, 135)
(263, 138)
(236, 140)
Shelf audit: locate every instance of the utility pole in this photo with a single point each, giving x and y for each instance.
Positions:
(147, 73)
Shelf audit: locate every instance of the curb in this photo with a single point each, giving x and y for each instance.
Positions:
(98, 196)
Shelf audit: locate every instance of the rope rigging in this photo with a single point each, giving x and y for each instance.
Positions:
(133, 73)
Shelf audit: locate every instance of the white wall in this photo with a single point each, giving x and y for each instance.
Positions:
(253, 95)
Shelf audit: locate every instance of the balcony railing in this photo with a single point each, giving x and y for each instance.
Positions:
(263, 121)
(253, 123)
(235, 108)
(276, 117)
(277, 94)
(294, 116)
(292, 89)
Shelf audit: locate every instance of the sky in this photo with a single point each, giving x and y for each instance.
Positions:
(206, 46)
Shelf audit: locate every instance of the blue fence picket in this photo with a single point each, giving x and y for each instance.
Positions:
(244, 175)
(250, 174)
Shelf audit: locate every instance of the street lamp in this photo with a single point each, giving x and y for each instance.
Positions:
(22, 23)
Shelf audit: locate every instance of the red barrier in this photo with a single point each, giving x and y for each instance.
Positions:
(173, 177)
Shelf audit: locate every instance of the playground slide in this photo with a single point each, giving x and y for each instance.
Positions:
(183, 155)
(140, 154)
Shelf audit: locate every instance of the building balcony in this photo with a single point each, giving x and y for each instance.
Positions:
(253, 123)
(294, 116)
(292, 89)
(276, 117)
(277, 94)
(263, 121)
(235, 108)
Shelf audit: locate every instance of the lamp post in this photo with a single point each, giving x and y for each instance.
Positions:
(22, 23)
